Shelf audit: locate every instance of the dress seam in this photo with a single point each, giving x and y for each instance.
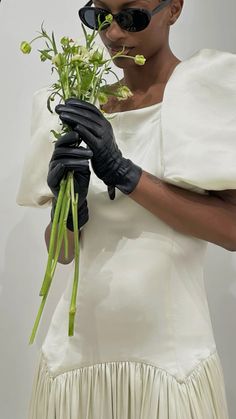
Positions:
(140, 363)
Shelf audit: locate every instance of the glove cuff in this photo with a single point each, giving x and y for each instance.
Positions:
(129, 176)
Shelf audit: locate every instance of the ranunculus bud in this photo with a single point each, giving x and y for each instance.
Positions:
(139, 59)
(43, 58)
(25, 47)
(109, 18)
(123, 93)
(77, 57)
(89, 37)
(65, 41)
(57, 60)
(102, 97)
(96, 57)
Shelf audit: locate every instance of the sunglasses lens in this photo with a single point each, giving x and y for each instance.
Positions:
(133, 20)
(90, 17)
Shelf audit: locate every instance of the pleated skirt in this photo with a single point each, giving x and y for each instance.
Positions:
(129, 390)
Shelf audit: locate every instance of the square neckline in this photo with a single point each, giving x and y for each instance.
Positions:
(146, 107)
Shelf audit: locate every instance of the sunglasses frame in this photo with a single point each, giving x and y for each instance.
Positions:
(149, 13)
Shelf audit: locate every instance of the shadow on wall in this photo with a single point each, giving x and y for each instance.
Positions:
(220, 282)
(23, 268)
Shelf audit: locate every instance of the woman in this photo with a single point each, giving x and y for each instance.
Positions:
(143, 345)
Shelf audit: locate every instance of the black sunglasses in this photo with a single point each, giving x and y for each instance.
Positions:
(130, 19)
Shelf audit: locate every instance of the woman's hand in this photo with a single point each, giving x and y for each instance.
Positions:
(96, 131)
(67, 157)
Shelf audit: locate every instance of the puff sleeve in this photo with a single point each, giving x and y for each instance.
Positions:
(199, 122)
(33, 189)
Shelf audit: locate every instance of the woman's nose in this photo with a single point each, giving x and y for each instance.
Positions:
(114, 31)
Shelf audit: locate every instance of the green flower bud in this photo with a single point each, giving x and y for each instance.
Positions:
(103, 98)
(82, 55)
(139, 59)
(123, 93)
(43, 58)
(89, 37)
(106, 22)
(96, 57)
(25, 47)
(74, 49)
(77, 57)
(65, 41)
(83, 50)
(57, 60)
(109, 18)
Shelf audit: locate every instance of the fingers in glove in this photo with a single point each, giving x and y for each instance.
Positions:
(72, 140)
(82, 118)
(55, 175)
(58, 169)
(81, 104)
(69, 138)
(69, 152)
(86, 127)
(77, 114)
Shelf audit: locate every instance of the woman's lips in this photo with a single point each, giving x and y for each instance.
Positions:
(126, 51)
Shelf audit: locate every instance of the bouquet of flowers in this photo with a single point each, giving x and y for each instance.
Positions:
(79, 71)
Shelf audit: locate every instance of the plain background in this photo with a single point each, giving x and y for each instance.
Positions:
(23, 256)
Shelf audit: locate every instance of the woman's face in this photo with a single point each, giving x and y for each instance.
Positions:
(147, 41)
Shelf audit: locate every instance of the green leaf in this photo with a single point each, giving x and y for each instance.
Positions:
(86, 80)
(48, 103)
(85, 34)
(56, 134)
(42, 29)
(63, 79)
(54, 43)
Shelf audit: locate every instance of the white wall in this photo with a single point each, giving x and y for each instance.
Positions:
(209, 23)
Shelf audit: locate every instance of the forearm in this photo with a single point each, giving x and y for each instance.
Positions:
(202, 216)
(70, 235)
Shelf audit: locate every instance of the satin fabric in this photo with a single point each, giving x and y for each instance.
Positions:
(129, 390)
(143, 345)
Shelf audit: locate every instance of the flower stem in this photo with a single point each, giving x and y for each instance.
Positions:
(78, 80)
(65, 237)
(47, 277)
(63, 221)
(76, 272)
(36, 323)
(63, 218)
(93, 87)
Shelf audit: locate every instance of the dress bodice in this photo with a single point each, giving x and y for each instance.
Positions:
(141, 290)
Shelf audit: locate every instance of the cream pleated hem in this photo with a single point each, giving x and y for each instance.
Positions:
(129, 390)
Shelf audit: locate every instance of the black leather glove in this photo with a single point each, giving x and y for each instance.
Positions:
(96, 131)
(68, 156)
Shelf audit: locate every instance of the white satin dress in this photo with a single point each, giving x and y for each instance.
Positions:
(143, 346)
